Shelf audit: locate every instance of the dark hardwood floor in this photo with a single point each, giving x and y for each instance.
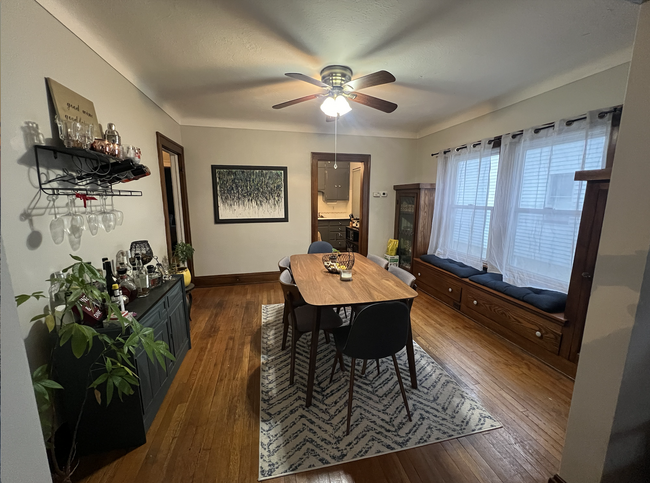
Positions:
(207, 428)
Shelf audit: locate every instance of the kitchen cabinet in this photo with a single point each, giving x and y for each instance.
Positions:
(413, 217)
(334, 183)
(333, 231)
(124, 424)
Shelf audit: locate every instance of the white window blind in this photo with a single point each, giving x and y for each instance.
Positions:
(465, 193)
(538, 204)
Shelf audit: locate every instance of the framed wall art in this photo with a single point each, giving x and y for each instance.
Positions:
(250, 194)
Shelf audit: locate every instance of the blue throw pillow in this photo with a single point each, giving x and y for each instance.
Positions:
(457, 268)
(546, 300)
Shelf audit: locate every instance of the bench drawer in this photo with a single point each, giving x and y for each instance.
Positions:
(438, 283)
(506, 318)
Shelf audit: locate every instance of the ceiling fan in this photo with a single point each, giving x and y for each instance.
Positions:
(339, 86)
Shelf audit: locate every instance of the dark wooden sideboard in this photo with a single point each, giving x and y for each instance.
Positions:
(124, 424)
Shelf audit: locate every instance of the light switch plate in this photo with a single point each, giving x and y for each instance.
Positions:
(376, 194)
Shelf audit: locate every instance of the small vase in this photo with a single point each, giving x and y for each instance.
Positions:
(187, 276)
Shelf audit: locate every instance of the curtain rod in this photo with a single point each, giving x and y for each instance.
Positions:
(569, 122)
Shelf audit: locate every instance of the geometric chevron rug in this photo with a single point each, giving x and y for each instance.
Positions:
(294, 438)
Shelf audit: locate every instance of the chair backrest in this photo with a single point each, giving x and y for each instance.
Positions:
(289, 289)
(284, 264)
(382, 262)
(379, 330)
(403, 275)
(320, 247)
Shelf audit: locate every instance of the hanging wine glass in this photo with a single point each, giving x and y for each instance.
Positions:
(57, 225)
(119, 216)
(77, 224)
(108, 218)
(92, 219)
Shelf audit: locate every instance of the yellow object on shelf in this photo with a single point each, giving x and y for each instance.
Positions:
(392, 247)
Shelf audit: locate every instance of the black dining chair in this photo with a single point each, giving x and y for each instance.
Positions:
(320, 247)
(303, 317)
(380, 330)
(382, 262)
(285, 265)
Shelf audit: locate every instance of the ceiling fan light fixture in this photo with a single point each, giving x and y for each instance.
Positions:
(342, 106)
(329, 107)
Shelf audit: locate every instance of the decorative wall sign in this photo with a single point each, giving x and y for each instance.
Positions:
(250, 194)
(72, 106)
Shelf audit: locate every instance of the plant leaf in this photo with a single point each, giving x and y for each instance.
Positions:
(79, 343)
(50, 323)
(109, 390)
(36, 317)
(51, 384)
(98, 397)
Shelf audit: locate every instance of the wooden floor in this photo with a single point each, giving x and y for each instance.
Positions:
(207, 428)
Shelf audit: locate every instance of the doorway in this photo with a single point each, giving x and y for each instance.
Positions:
(171, 163)
(359, 184)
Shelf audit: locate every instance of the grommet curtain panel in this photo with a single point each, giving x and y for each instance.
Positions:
(464, 201)
(517, 209)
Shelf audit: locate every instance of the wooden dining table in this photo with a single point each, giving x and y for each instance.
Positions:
(370, 284)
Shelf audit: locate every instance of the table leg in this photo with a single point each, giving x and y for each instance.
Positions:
(312, 357)
(410, 354)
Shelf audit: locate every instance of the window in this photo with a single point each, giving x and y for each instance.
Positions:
(518, 208)
(471, 174)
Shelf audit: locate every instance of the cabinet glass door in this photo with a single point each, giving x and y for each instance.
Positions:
(406, 224)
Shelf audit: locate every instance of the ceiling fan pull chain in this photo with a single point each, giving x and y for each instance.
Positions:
(336, 123)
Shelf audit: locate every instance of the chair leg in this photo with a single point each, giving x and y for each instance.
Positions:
(327, 336)
(336, 359)
(363, 368)
(294, 343)
(377, 360)
(401, 387)
(352, 370)
(285, 330)
(341, 362)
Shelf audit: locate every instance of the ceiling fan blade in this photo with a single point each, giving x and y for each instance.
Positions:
(374, 79)
(296, 101)
(373, 102)
(306, 78)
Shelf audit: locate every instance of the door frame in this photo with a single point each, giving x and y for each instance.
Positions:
(163, 143)
(365, 193)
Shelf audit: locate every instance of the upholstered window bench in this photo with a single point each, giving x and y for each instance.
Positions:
(527, 326)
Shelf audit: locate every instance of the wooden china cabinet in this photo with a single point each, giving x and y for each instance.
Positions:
(413, 217)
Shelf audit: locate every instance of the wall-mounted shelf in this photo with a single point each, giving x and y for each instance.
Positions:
(82, 171)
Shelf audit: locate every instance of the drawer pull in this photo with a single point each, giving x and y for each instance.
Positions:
(419, 274)
(475, 302)
(538, 334)
(450, 289)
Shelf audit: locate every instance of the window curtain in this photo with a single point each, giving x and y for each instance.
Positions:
(465, 189)
(538, 204)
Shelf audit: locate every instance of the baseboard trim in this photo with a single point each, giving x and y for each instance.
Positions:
(556, 479)
(235, 279)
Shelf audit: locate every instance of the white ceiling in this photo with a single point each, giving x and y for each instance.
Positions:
(222, 62)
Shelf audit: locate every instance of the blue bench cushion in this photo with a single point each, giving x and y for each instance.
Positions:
(546, 300)
(452, 266)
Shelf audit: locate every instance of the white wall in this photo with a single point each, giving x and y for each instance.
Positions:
(608, 428)
(257, 247)
(35, 46)
(604, 89)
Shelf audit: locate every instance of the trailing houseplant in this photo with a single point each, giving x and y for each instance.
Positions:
(112, 370)
(182, 253)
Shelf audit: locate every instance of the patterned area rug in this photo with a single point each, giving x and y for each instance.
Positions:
(294, 438)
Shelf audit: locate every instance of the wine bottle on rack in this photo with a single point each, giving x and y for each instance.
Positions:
(140, 171)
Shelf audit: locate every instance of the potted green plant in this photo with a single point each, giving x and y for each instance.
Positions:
(182, 253)
(112, 371)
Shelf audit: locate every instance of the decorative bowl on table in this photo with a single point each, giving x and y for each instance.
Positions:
(335, 262)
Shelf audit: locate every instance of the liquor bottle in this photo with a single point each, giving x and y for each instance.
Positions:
(117, 296)
(108, 274)
(142, 278)
(127, 286)
(154, 276)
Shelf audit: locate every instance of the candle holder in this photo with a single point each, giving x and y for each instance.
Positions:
(346, 275)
